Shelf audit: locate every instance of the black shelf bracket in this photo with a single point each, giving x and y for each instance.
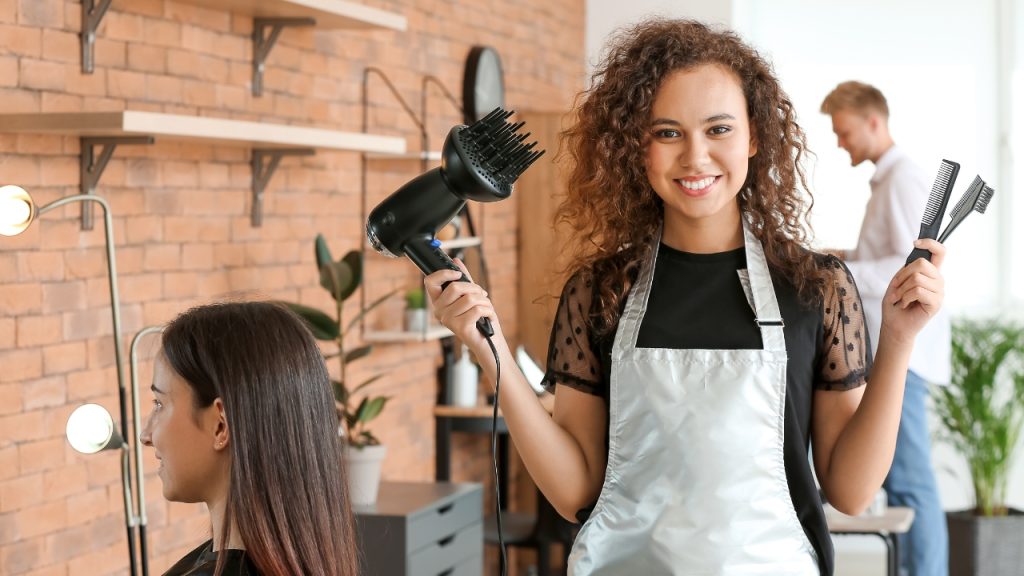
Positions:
(91, 165)
(264, 163)
(262, 44)
(92, 14)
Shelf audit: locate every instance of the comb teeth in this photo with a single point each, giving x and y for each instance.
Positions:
(497, 147)
(970, 196)
(983, 199)
(936, 200)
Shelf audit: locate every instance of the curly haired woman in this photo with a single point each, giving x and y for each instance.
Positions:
(700, 348)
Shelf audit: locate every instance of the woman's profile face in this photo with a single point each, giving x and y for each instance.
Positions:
(183, 437)
(698, 145)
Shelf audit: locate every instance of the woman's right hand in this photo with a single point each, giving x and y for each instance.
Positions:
(460, 305)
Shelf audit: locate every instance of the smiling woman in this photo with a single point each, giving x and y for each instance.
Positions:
(244, 421)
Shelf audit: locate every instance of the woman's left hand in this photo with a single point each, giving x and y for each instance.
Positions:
(915, 293)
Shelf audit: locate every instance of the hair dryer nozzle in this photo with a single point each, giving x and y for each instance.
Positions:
(482, 161)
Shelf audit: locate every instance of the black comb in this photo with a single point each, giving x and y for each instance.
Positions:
(936, 208)
(975, 199)
(493, 150)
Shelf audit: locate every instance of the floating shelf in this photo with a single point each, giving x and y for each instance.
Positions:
(432, 155)
(327, 13)
(179, 127)
(382, 336)
(457, 243)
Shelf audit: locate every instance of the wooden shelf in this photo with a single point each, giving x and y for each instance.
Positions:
(384, 336)
(432, 155)
(179, 127)
(465, 242)
(328, 13)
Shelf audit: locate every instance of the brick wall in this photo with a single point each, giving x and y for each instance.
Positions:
(183, 236)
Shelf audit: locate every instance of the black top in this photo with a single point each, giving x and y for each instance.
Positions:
(202, 561)
(698, 302)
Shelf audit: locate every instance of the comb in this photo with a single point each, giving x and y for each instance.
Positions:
(936, 207)
(975, 199)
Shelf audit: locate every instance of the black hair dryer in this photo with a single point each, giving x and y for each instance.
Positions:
(478, 162)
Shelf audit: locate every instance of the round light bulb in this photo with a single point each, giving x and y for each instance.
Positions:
(16, 210)
(91, 429)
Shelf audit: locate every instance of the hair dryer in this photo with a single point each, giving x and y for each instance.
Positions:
(478, 162)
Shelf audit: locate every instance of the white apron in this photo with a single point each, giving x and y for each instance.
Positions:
(696, 483)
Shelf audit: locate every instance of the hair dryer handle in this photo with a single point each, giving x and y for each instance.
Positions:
(427, 255)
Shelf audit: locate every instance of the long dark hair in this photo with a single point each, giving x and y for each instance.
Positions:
(287, 490)
(609, 202)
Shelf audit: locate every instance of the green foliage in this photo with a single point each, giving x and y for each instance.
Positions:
(982, 411)
(341, 278)
(416, 298)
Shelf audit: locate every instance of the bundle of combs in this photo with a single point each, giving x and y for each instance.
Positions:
(975, 199)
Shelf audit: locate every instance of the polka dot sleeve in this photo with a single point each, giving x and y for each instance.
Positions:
(846, 358)
(572, 356)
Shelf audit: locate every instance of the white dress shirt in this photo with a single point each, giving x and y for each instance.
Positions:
(899, 193)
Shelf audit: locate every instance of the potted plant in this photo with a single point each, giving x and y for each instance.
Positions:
(982, 415)
(356, 409)
(416, 310)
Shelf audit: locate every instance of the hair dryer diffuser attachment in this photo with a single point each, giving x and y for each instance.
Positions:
(479, 162)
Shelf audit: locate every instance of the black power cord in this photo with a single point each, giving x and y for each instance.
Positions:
(494, 456)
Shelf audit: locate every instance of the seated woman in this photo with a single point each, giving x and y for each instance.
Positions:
(244, 420)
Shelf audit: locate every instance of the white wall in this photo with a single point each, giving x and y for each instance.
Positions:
(604, 16)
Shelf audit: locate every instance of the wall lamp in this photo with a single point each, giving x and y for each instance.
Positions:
(90, 428)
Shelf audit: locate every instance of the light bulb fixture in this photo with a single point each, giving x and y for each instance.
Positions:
(90, 430)
(17, 210)
(87, 431)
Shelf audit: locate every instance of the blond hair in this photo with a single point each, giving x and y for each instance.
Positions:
(856, 96)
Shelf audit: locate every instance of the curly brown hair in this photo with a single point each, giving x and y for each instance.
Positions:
(609, 203)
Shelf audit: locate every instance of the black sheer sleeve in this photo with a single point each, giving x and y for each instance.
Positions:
(846, 349)
(572, 356)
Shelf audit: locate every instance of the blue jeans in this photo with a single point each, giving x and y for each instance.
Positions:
(924, 551)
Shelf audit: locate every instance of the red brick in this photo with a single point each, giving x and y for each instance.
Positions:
(8, 11)
(196, 257)
(20, 40)
(163, 88)
(8, 466)
(21, 169)
(63, 358)
(42, 144)
(42, 519)
(44, 392)
(39, 330)
(17, 299)
(23, 426)
(180, 284)
(21, 556)
(41, 13)
(65, 481)
(41, 455)
(16, 365)
(89, 384)
(142, 172)
(141, 288)
(8, 333)
(85, 263)
(126, 84)
(87, 506)
(61, 172)
(109, 53)
(63, 297)
(162, 32)
(9, 267)
(22, 492)
(41, 75)
(124, 26)
(10, 398)
(51, 102)
(8, 71)
(61, 46)
(41, 266)
(144, 229)
(84, 324)
(16, 100)
(147, 58)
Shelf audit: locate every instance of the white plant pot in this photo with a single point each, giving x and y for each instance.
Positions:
(416, 319)
(364, 467)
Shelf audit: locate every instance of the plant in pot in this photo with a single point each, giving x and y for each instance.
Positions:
(416, 310)
(356, 408)
(982, 415)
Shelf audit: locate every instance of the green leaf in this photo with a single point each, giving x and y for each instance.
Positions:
(353, 355)
(354, 262)
(368, 410)
(321, 325)
(336, 278)
(359, 388)
(322, 252)
(340, 394)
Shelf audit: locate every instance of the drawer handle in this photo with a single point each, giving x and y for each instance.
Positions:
(445, 541)
(447, 572)
(445, 509)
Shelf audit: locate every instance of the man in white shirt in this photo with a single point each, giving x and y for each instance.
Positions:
(899, 193)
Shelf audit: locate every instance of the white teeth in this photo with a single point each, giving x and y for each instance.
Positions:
(697, 185)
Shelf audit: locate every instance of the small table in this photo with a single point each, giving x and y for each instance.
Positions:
(896, 520)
